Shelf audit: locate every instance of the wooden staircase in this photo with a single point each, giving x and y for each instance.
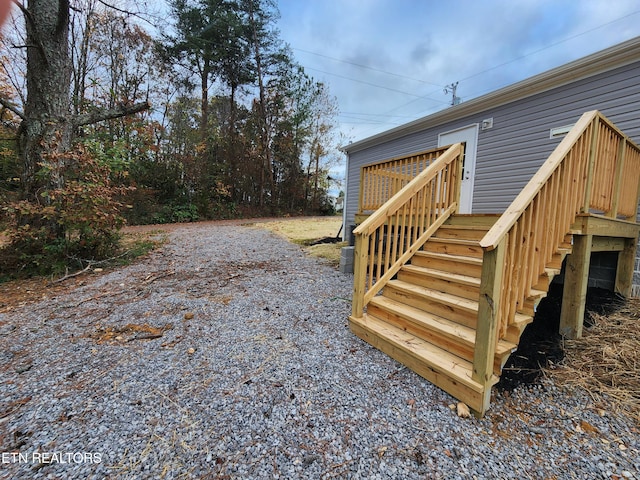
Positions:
(426, 317)
(449, 295)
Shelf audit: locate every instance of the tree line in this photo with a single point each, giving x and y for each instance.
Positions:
(110, 113)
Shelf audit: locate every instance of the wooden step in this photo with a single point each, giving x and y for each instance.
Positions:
(453, 246)
(439, 331)
(463, 232)
(532, 301)
(514, 330)
(470, 266)
(449, 372)
(544, 281)
(452, 307)
(474, 220)
(453, 283)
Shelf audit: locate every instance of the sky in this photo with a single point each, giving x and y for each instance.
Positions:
(387, 62)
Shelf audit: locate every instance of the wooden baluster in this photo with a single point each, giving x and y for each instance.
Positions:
(562, 205)
(552, 226)
(397, 233)
(508, 291)
(595, 135)
(622, 149)
(390, 233)
(543, 224)
(361, 193)
(371, 258)
(635, 198)
(380, 252)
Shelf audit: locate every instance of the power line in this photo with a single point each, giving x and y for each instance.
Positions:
(371, 84)
(367, 67)
(375, 115)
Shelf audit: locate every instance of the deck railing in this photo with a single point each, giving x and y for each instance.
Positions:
(388, 238)
(595, 169)
(382, 180)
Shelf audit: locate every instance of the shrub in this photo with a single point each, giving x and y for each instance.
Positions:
(72, 220)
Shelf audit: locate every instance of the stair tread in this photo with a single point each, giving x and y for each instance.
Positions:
(438, 359)
(485, 221)
(455, 226)
(455, 241)
(433, 272)
(449, 256)
(447, 327)
(448, 298)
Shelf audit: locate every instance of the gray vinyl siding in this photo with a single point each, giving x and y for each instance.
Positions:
(512, 151)
(517, 145)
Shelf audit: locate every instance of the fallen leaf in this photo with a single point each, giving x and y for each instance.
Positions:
(587, 427)
(381, 451)
(463, 410)
(188, 315)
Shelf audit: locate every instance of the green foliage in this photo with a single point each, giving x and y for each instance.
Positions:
(114, 156)
(67, 224)
(9, 168)
(177, 213)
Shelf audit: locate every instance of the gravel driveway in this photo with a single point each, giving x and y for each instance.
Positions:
(226, 354)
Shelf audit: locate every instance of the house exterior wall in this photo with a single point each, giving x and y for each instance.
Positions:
(515, 147)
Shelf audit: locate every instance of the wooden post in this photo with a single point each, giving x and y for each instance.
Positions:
(624, 272)
(359, 275)
(488, 318)
(574, 294)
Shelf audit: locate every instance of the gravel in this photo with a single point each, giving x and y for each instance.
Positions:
(237, 362)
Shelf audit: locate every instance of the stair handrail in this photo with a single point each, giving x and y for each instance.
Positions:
(388, 238)
(595, 168)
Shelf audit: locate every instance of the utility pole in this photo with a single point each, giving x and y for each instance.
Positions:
(452, 89)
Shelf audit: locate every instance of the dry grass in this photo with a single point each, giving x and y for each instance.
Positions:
(304, 231)
(605, 360)
(327, 251)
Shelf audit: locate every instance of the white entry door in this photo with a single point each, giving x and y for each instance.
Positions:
(469, 135)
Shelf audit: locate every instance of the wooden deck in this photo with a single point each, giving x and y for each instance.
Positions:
(449, 295)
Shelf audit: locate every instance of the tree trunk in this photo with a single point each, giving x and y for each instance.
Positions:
(204, 106)
(47, 125)
(267, 167)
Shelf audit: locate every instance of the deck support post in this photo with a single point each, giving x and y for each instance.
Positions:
(574, 294)
(488, 319)
(626, 262)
